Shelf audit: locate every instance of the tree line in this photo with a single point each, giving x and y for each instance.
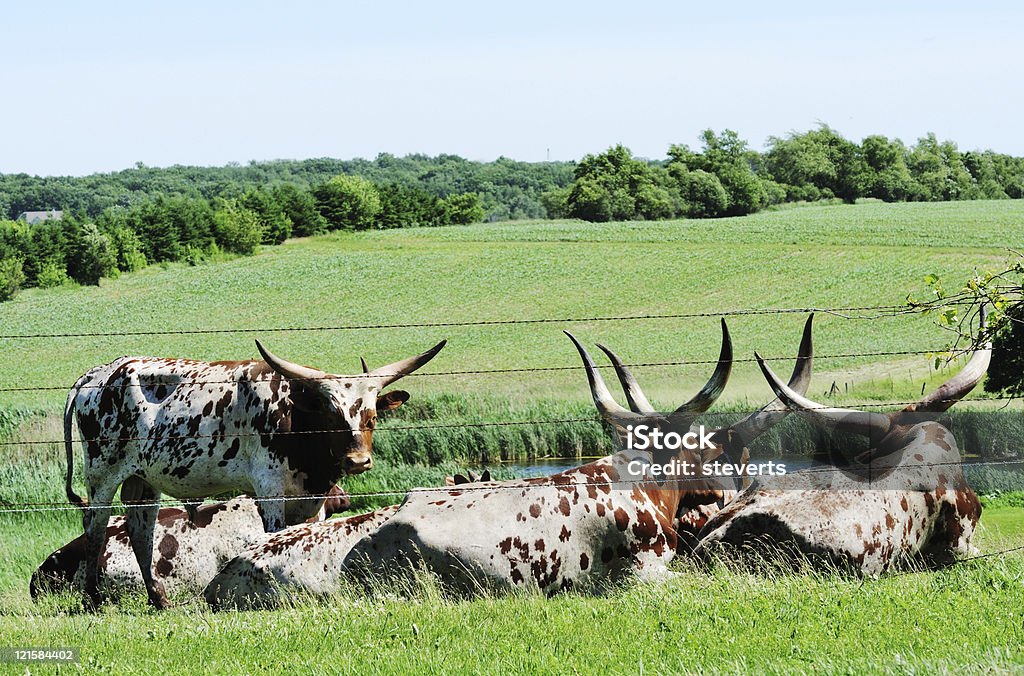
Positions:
(121, 221)
(727, 178)
(507, 189)
(82, 248)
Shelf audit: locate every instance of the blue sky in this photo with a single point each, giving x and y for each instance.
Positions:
(100, 86)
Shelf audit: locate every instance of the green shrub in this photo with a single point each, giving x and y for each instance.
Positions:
(350, 202)
(462, 209)
(237, 229)
(51, 274)
(702, 193)
(12, 276)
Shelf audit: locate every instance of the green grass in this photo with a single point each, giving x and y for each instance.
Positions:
(816, 256)
(722, 620)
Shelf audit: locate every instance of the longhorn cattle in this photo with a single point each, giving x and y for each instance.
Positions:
(188, 549)
(304, 557)
(307, 557)
(192, 429)
(579, 528)
(902, 502)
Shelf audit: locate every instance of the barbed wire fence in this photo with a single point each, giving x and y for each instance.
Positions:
(862, 312)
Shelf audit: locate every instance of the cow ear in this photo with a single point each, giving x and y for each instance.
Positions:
(486, 476)
(392, 400)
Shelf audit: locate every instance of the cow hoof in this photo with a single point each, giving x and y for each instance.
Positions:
(91, 602)
(159, 601)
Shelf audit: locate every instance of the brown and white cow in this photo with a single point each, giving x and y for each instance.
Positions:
(580, 528)
(188, 549)
(306, 558)
(902, 502)
(193, 429)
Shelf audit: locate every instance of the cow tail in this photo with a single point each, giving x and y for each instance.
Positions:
(69, 412)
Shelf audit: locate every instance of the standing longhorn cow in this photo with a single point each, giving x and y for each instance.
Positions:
(193, 429)
(904, 501)
(579, 528)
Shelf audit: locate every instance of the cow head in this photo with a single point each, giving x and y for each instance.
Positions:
(674, 492)
(345, 406)
(888, 432)
(732, 441)
(640, 411)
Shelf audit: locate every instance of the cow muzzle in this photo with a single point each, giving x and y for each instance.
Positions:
(357, 464)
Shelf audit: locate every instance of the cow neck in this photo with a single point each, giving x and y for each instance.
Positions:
(314, 452)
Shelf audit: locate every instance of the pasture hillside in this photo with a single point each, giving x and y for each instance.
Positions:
(816, 256)
(716, 620)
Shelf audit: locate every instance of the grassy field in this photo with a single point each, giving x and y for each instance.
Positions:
(831, 256)
(719, 620)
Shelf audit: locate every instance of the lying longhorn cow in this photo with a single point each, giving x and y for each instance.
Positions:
(691, 518)
(306, 557)
(902, 502)
(193, 429)
(188, 549)
(579, 528)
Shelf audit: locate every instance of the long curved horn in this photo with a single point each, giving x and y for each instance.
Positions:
(287, 368)
(362, 363)
(870, 424)
(606, 405)
(702, 401)
(638, 402)
(385, 375)
(957, 387)
(769, 415)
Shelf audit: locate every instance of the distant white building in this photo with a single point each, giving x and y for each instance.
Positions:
(32, 217)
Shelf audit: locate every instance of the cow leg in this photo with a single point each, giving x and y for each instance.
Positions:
(271, 511)
(141, 499)
(94, 520)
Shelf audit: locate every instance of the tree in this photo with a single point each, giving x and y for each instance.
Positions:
(1006, 372)
(403, 207)
(300, 208)
(727, 157)
(462, 209)
(616, 186)
(939, 171)
(92, 256)
(556, 202)
(129, 249)
(275, 224)
(237, 229)
(350, 202)
(886, 175)
(818, 162)
(11, 276)
(702, 193)
(1002, 294)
